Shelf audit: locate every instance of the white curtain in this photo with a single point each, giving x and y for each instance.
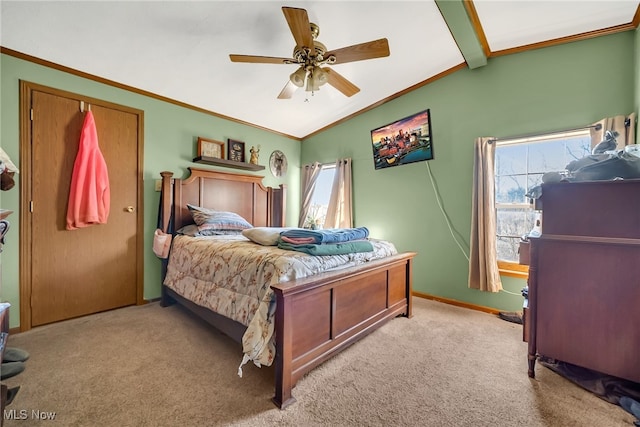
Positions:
(483, 257)
(310, 174)
(624, 125)
(339, 211)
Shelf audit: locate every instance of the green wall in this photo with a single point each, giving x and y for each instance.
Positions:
(170, 134)
(547, 89)
(637, 71)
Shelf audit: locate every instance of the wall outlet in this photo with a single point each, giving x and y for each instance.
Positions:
(158, 185)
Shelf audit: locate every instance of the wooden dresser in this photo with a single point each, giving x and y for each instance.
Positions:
(584, 278)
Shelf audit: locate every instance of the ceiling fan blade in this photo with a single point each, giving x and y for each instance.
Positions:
(299, 25)
(358, 52)
(288, 91)
(340, 83)
(260, 59)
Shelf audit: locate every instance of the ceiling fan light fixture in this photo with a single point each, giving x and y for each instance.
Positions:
(320, 76)
(310, 86)
(317, 77)
(310, 55)
(298, 77)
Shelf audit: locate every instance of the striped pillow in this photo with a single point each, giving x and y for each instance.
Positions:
(210, 221)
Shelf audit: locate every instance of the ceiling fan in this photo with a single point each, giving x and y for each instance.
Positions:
(312, 56)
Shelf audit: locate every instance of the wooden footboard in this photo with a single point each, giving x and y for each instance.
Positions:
(321, 315)
(316, 317)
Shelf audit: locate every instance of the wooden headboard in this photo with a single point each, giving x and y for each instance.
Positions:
(222, 191)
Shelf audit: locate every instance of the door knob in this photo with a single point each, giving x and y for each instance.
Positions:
(129, 209)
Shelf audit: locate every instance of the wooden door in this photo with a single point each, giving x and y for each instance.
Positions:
(92, 269)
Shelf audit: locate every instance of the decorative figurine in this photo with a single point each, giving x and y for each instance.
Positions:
(254, 155)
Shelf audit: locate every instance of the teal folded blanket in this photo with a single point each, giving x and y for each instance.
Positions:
(329, 248)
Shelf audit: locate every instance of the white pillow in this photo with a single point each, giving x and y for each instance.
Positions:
(266, 236)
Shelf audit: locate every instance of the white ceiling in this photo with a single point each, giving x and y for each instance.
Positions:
(180, 50)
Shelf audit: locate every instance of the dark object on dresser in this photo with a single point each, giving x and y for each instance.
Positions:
(583, 278)
(598, 167)
(609, 143)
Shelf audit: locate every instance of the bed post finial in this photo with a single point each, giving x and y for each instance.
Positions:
(277, 205)
(166, 200)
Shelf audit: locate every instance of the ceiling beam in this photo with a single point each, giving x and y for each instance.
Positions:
(462, 30)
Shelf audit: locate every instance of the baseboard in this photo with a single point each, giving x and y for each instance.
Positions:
(456, 302)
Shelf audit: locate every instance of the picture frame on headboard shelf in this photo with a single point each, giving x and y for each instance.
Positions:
(235, 150)
(210, 148)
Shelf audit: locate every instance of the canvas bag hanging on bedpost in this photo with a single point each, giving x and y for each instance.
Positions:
(162, 236)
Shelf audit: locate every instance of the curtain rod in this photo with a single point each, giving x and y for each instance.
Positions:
(597, 126)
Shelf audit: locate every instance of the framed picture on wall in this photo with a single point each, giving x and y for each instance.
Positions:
(210, 148)
(236, 150)
(403, 141)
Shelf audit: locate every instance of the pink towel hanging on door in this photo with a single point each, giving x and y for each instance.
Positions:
(89, 195)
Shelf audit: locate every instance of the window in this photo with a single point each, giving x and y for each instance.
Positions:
(520, 164)
(321, 196)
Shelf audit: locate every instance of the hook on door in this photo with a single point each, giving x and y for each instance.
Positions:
(82, 107)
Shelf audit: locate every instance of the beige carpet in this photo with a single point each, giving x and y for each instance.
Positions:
(154, 366)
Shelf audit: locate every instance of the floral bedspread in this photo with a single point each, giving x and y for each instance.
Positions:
(233, 276)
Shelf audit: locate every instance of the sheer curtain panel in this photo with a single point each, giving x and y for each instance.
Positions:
(310, 174)
(483, 258)
(339, 211)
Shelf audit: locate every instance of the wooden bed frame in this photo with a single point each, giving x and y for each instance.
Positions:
(316, 317)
